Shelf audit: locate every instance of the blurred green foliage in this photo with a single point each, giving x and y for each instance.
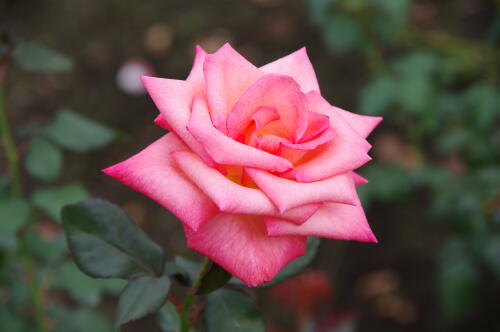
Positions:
(440, 93)
(435, 82)
(34, 265)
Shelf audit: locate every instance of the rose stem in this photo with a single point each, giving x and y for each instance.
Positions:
(188, 301)
(9, 148)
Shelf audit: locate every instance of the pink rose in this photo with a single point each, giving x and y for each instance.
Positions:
(254, 163)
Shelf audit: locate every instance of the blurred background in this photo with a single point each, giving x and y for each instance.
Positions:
(430, 68)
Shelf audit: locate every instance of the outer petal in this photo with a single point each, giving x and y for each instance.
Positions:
(287, 194)
(196, 76)
(153, 173)
(241, 246)
(161, 122)
(332, 220)
(174, 98)
(363, 124)
(227, 76)
(225, 150)
(298, 66)
(231, 197)
(277, 91)
(358, 179)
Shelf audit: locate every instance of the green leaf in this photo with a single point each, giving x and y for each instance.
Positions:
(14, 213)
(232, 311)
(458, 280)
(105, 242)
(168, 318)
(378, 95)
(141, 297)
(77, 133)
(215, 278)
(88, 291)
(298, 264)
(35, 57)
(43, 160)
(342, 32)
(52, 199)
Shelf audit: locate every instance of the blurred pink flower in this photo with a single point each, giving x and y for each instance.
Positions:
(255, 162)
(304, 293)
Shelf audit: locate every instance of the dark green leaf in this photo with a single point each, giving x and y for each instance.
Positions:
(215, 278)
(141, 297)
(168, 318)
(32, 56)
(297, 265)
(77, 133)
(105, 242)
(43, 160)
(231, 311)
(52, 199)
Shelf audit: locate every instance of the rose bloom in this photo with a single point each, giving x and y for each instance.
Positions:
(254, 163)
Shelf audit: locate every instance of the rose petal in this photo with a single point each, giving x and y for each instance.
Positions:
(263, 116)
(161, 122)
(225, 150)
(346, 152)
(287, 194)
(277, 91)
(153, 173)
(174, 98)
(332, 220)
(294, 152)
(363, 124)
(318, 123)
(296, 65)
(231, 197)
(240, 245)
(358, 179)
(269, 143)
(196, 76)
(325, 137)
(227, 76)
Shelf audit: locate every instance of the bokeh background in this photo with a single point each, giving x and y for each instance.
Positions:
(431, 68)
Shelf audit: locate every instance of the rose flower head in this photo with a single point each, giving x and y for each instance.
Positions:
(256, 161)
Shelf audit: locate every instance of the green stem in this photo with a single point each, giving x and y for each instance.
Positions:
(35, 288)
(188, 301)
(9, 147)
